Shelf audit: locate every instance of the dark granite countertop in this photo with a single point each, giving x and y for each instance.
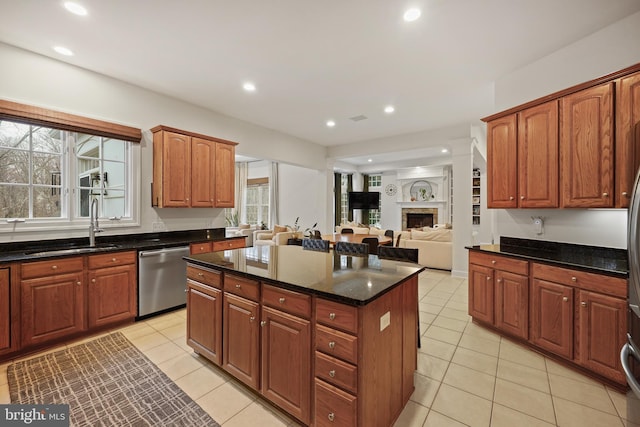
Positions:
(595, 259)
(347, 279)
(42, 249)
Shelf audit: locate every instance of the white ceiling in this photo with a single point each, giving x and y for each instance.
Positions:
(314, 60)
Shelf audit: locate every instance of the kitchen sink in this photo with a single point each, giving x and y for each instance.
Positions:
(71, 251)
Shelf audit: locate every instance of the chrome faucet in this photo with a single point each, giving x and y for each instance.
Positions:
(94, 227)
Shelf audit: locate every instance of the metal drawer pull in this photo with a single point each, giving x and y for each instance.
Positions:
(252, 318)
(565, 299)
(113, 259)
(78, 283)
(332, 373)
(331, 416)
(281, 300)
(332, 316)
(54, 267)
(332, 345)
(93, 280)
(200, 274)
(574, 279)
(237, 286)
(264, 322)
(488, 277)
(493, 261)
(583, 303)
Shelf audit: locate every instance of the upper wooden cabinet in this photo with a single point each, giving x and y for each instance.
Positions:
(586, 153)
(627, 137)
(192, 170)
(570, 149)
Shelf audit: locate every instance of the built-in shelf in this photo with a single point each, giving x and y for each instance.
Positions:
(475, 197)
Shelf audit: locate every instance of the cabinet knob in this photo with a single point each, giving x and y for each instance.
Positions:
(93, 280)
(186, 291)
(510, 197)
(625, 194)
(521, 197)
(200, 274)
(583, 303)
(114, 259)
(281, 300)
(332, 345)
(565, 299)
(488, 277)
(574, 279)
(78, 283)
(331, 416)
(332, 316)
(238, 286)
(252, 318)
(493, 261)
(54, 267)
(499, 280)
(332, 373)
(187, 199)
(605, 194)
(264, 322)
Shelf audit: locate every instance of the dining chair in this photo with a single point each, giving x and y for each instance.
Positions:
(315, 234)
(350, 248)
(389, 233)
(373, 244)
(346, 231)
(317, 245)
(398, 254)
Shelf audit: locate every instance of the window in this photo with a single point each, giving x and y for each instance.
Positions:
(344, 199)
(375, 184)
(52, 166)
(257, 202)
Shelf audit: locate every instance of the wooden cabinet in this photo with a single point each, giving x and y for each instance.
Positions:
(204, 312)
(241, 329)
(112, 288)
(502, 160)
(627, 137)
(52, 300)
(5, 310)
(586, 148)
(286, 362)
(552, 317)
(200, 248)
(580, 316)
(499, 292)
(538, 156)
(192, 170)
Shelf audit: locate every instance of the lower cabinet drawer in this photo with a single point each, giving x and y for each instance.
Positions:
(334, 407)
(337, 344)
(337, 372)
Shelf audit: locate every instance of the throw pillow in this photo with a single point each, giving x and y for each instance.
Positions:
(279, 228)
(244, 226)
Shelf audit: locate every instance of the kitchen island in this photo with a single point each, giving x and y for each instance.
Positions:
(330, 339)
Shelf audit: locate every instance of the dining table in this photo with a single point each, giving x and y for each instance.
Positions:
(356, 238)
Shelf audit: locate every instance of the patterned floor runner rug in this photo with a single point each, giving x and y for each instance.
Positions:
(108, 382)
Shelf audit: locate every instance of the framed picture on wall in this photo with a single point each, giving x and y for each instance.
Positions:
(476, 200)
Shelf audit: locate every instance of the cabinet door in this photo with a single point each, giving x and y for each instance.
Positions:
(202, 166)
(176, 173)
(481, 293)
(52, 307)
(241, 339)
(502, 161)
(627, 137)
(586, 148)
(112, 295)
(602, 326)
(286, 362)
(512, 303)
(552, 317)
(225, 175)
(5, 313)
(538, 156)
(204, 320)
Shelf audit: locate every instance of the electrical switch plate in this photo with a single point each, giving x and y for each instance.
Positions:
(385, 320)
(157, 226)
(538, 223)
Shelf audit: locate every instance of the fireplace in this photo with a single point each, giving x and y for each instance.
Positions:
(418, 218)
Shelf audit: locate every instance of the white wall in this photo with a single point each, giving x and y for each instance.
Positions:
(302, 193)
(37, 80)
(604, 52)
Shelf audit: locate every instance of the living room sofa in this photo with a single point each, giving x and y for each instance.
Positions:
(278, 236)
(242, 230)
(434, 245)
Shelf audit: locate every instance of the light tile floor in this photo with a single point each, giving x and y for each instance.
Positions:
(467, 375)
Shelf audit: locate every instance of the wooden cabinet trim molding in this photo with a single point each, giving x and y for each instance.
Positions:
(192, 134)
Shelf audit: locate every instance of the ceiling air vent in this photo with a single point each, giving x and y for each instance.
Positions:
(358, 118)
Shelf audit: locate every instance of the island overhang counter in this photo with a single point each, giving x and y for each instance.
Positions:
(331, 339)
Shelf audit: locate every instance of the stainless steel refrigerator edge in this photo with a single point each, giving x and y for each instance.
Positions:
(630, 353)
(162, 276)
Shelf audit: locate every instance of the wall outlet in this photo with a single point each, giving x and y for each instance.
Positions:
(157, 226)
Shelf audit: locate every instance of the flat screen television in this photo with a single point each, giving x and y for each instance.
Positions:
(364, 200)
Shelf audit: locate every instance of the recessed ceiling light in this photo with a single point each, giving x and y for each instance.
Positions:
(412, 14)
(75, 8)
(331, 123)
(369, 160)
(444, 150)
(63, 50)
(249, 87)
(389, 109)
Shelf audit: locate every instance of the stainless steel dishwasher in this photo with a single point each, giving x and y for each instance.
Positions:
(162, 277)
